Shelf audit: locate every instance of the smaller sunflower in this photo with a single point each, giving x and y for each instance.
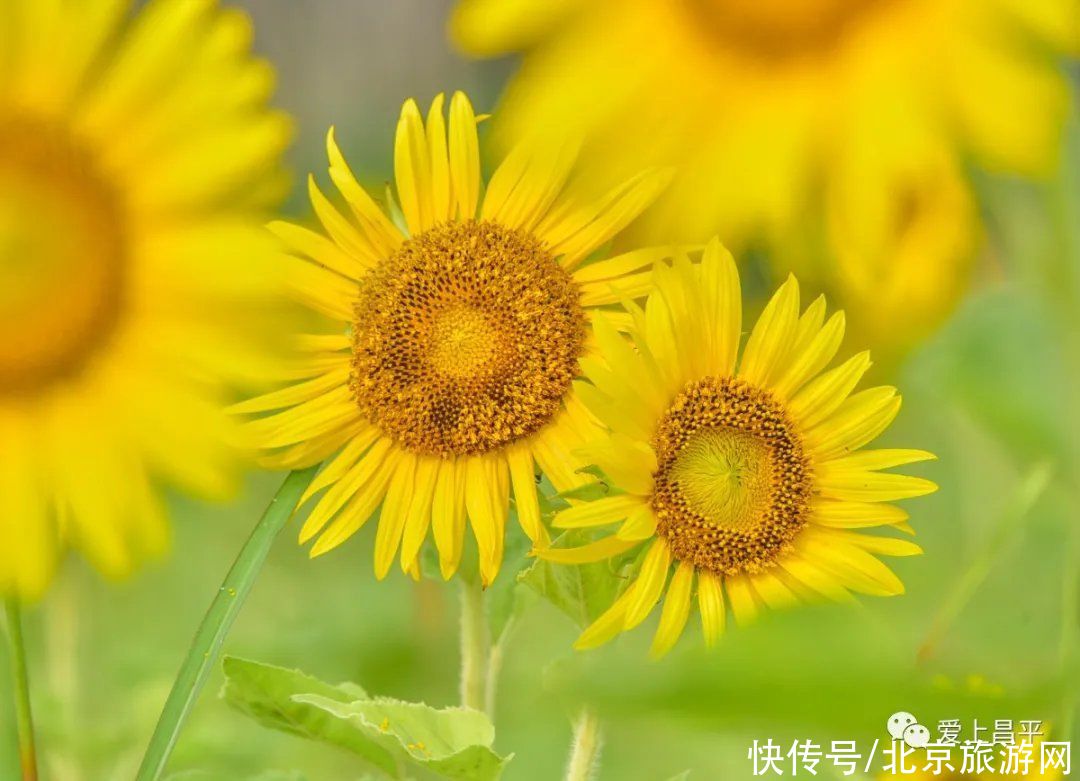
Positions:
(446, 379)
(745, 482)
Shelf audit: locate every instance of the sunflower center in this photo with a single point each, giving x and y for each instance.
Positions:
(466, 339)
(62, 257)
(780, 29)
(732, 482)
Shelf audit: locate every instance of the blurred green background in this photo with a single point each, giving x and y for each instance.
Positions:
(995, 393)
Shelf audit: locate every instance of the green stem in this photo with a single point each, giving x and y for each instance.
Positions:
(585, 753)
(475, 646)
(218, 620)
(1031, 488)
(496, 655)
(24, 720)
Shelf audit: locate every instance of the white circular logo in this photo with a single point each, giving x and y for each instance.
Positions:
(899, 722)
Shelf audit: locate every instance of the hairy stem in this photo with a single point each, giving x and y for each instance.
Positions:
(219, 618)
(24, 720)
(475, 647)
(495, 663)
(585, 752)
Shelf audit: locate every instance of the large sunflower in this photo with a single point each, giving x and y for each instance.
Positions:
(448, 375)
(761, 102)
(136, 158)
(741, 475)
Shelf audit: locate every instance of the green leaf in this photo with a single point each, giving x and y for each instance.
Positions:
(683, 776)
(582, 591)
(452, 742)
(268, 694)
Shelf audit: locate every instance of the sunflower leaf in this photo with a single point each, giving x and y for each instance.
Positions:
(454, 743)
(267, 694)
(451, 742)
(583, 591)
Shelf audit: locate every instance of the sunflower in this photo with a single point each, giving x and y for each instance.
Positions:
(447, 377)
(745, 482)
(137, 156)
(899, 263)
(759, 103)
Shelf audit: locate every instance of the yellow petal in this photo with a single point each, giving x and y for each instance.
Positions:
(527, 182)
(884, 546)
(609, 509)
(349, 484)
(856, 422)
(807, 362)
(856, 568)
(863, 486)
(395, 511)
(523, 481)
(640, 525)
(743, 603)
(340, 229)
(578, 233)
(822, 396)
(650, 583)
(609, 624)
(487, 499)
(295, 394)
(711, 606)
(336, 468)
(877, 459)
(722, 302)
(448, 515)
(464, 157)
(854, 515)
(440, 163)
(412, 169)
(772, 590)
(587, 554)
(621, 265)
(319, 249)
(770, 341)
(360, 508)
(377, 227)
(814, 577)
(675, 612)
(419, 518)
(628, 462)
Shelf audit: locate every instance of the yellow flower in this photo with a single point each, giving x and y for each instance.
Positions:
(458, 335)
(903, 252)
(758, 102)
(747, 482)
(136, 158)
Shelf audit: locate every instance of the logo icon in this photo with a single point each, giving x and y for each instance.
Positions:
(903, 726)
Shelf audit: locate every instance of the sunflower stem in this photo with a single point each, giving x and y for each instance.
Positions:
(496, 655)
(24, 719)
(219, 618)
(585, 751)
(475, 647)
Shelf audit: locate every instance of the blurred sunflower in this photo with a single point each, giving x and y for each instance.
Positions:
(746, 482)
(772, 109)
(901, 253)
(758, 102)
(460, 327)
(136, 158)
